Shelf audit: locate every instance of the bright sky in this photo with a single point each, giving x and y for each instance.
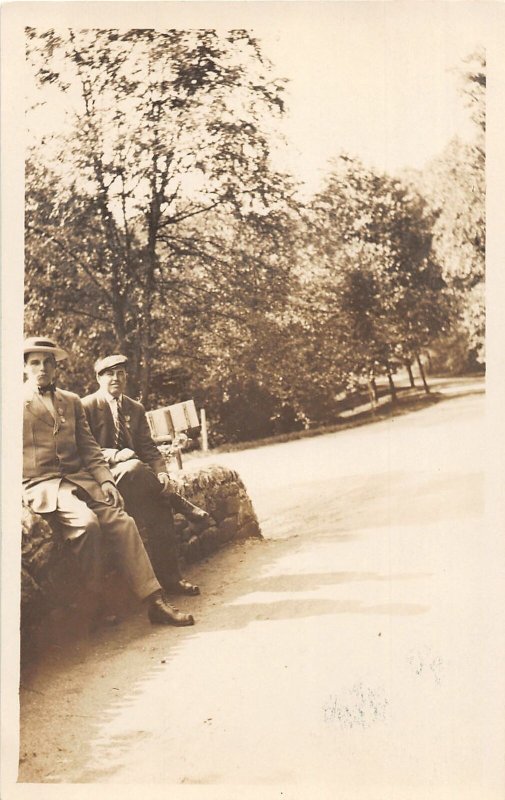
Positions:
(374, 79)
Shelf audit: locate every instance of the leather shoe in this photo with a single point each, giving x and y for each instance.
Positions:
(182, 506)
(161, 613)
(183, 587)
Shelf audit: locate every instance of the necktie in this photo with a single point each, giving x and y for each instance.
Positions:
(121, 429)
(50, 389)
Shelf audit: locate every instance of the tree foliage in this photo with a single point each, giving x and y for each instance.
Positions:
(166, 128)
(156, 225)
(455, 186)
(374, 275)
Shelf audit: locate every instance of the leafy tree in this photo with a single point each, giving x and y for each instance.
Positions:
(374, 269)
(165, 128)
(455, 186)
(473, 87)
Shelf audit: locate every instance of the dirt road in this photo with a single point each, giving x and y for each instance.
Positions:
(347, 649)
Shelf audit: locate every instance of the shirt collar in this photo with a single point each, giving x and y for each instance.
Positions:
(110, 399)
(33, 387)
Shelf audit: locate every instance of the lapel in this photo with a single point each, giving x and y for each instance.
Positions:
(127, 407)
(105, 418)
(36, 407)
(131, 417)
(60, 404)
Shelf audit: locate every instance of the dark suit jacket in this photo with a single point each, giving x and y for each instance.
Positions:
(58, 449)
(101, 422)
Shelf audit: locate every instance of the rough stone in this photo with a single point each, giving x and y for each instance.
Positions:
(192, 550)
(217, 508)
(249, 530)
(232, 504)
(180, 522)
(228, 529)
(245, 514)
(209, 540)
(50, 577)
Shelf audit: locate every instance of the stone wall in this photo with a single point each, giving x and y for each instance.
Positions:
(222, 494)
(51, 598)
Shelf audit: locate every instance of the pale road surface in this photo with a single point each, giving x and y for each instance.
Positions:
(351, 649)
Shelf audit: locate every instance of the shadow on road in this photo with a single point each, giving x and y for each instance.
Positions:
(359, 504)
(244, 584)
(53, 691)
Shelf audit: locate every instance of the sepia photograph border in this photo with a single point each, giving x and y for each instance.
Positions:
(490, 642)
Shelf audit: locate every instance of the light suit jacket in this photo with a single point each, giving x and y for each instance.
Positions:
(56, 449)
(101, 423)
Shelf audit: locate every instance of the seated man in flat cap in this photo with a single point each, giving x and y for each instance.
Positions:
(66, 479)
(120, 426)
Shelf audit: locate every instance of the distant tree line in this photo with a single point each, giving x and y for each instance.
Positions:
(156, 225)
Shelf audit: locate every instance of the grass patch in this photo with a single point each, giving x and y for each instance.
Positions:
(408, 400)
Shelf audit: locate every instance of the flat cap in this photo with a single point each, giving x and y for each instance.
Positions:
(40, 344)
(108, 362)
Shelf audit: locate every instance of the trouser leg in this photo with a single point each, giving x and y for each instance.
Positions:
(88, 550)
(121, 536)
(164, 549)
(82, 533)
(141, 491)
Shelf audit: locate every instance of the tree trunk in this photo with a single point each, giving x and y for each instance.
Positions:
(371, 395)
(421, 373)
(144, 367)
(119, 324)
(408, 367)
(392, 387)
(145, 322)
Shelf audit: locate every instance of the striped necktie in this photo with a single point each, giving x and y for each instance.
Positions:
(121, 429)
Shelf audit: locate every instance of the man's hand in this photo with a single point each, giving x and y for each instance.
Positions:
(112, 495)
(166, 482)
(124, 455)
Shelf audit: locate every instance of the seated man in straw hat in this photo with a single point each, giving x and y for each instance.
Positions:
(66, 479)
(120, 426)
